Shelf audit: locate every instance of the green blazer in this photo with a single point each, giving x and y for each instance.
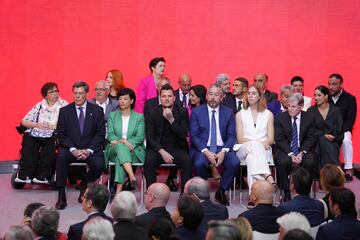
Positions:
(135, 136)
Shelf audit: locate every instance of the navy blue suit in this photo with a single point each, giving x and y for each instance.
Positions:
(212, 211)
(343, 227)
(312, 209)
(263, 218)
(274, 107)
(199, 135)
(186, 234)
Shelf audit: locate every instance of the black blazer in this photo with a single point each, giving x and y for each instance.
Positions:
(177, 100)
(68, 129)
(146, 219)
(270, 96)
(154, 127)
(343, 227)
(212, 211)
(347, 105)
(125, 229)
(263, 218)
(75, 230)
(283, 128)
(230, 102)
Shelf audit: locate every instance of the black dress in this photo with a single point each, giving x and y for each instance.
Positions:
(328, 151)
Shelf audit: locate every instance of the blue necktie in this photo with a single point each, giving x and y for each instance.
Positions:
(294, 138)
(81, 119)
(213, 142)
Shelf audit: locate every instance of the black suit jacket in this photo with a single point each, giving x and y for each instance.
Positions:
(270, 96)
(125, 229)
(146, 219)
(68, 128)
(347, 105)
(283, 129)
(230, 102)
(263, 218)
(212, 211)
(343, 227)
(154, 127)
(75, 231)
(177, 100)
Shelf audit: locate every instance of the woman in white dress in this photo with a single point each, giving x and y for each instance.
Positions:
(255, 135)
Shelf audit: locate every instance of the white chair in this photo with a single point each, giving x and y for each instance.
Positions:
(265, 236)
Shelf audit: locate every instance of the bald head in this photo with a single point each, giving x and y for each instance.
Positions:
(102, 90)
(262, 192)
(185, 82)
(160, 194)
(198, 186)
(261, 81)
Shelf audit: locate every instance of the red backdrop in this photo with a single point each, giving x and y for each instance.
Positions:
(65, 41)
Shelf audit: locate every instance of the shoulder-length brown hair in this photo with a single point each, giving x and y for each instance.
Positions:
(118, 80)
(261, 104)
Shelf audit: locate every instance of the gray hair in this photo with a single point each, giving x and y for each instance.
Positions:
(98, 229)
(81, 84)
(294, 220)
(220, 78)
(296, 97)
(224, 230)
(22, 232)
(217, 85)
(198, 186)
(287, 87)
(45, 221)
(124, 206)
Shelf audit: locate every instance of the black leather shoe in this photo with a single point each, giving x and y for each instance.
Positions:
(172, 185)
(61, 204)
(348, 177)
(221, 197)
(127, 186)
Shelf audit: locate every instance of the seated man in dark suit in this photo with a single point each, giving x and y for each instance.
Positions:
(200, 188)
(300, 185)
(277, 107)
(166, 130)
(95, 199)
(156, 198)
(261, 81)
(81, 134)
(182, 93)
(123, 210)
(345, 224)
(294, 141)
(187, 217)
(212, 136)
(263, 216)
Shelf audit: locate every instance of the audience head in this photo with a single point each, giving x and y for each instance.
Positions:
(262, 192)
(285, 93)
(240, 86)
(185, 82)
(295, 104)
(199, 187)
(335, 84)
(298, 83)
(45, 221)
(342, 201)
(162, 229)
(102, 91)
(167, 96)
(214, 96)
(114, 79)
(127, 98)
(157, 66)
(197, 95)
(95, 198)
(223, 230)
(261, 81)
(80, 92)
(293, 220)
(301, 181)
(162, 81)
(321, 94)
(188, 212)
(29, 210)
(244, 227)
(98, 228)
(297, 234)
(19, 232)
(331, 176)
(50, 92)
(254, 97)
(157, 195)
(223, 80)
(124, 206)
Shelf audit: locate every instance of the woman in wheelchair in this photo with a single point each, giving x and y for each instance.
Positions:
(38, 145)
(126, 133)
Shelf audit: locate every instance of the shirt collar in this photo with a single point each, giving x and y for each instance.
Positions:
(210, 109)
(106, 102)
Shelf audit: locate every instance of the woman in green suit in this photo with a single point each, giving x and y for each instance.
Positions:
(126, 133)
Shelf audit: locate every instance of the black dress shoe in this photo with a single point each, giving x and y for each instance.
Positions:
(61, 204)
(221, 197)
(172, 185)
(127, 186)
(348, 177)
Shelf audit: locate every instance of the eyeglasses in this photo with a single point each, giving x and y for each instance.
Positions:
(100, 89)
(53, 91)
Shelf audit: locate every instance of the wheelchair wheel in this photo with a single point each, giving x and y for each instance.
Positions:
(14, 184)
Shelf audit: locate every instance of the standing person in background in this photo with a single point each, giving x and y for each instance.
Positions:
(228, 100)
(261, 81)
(147, 86)
(347, 105)
(182, 93)
(277, 107)
(197, 95)
(298, 83)
(240, 88)
(116, 82)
